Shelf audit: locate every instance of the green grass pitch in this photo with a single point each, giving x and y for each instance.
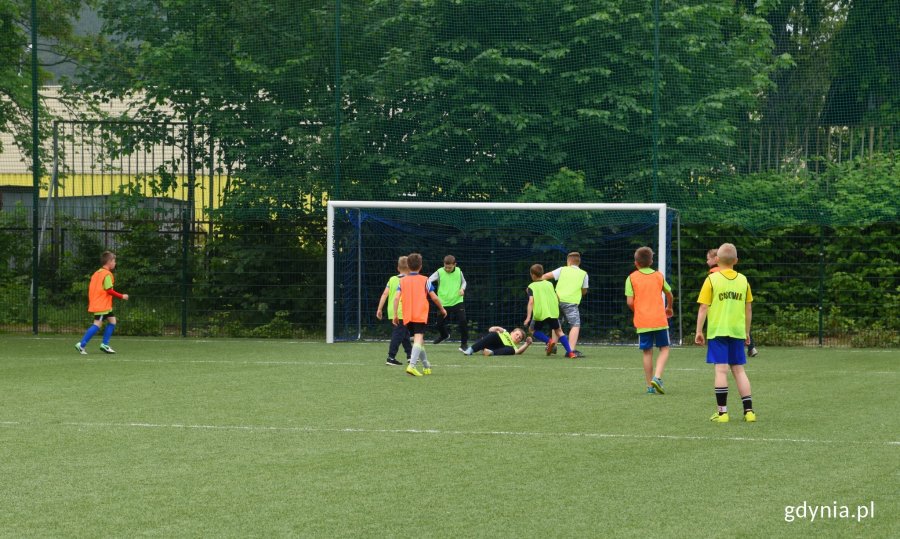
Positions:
(240, 438)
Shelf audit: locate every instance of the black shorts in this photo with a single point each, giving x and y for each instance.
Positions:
(416, 327)
(102, 317)
(552, 323)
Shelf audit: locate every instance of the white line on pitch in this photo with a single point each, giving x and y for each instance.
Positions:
(595, 435)
(378, 364)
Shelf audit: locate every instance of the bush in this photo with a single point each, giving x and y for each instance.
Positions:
(278, 328)
(141, 323)
(876, 336)
(774, 335)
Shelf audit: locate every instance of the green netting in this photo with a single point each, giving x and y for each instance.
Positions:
(214, 131)
(758, 113)
(495, 251)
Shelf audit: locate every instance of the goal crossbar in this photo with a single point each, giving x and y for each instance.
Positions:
(480, 206)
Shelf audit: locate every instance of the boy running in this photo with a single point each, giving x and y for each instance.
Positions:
(644, 290)
(414, 292)
(726, 299)
(100, 304)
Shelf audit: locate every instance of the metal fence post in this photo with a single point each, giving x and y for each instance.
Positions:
(186, 226)
(821, 284)
(35, 169)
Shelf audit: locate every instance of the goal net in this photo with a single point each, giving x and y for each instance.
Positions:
(495, 245)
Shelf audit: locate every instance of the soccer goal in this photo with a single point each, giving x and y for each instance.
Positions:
(495, 244)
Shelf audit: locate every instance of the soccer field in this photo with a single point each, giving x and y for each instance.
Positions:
(175, 437)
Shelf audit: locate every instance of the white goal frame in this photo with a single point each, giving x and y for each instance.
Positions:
(527, 206)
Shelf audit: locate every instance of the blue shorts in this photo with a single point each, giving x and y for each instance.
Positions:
(726, 351)
(648, 339)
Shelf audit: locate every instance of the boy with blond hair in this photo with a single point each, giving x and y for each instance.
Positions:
(499, 342)
(100, 304)
(727, 301)
(399, 335)
(414, 293)
(712, 262)
(543, 310)
(571, 286)
(644, 290)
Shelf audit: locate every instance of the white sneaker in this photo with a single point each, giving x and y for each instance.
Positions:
(80, 348)
(107, 349)
(753, 352)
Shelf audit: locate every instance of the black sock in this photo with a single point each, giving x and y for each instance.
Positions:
(722, 397)
(748, 403)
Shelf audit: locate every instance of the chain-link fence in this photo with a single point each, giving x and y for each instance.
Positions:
(203, 139)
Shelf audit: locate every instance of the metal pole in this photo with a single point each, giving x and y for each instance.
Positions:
(48, 207)
(661, 240)
(680, 302)
(36, 170)
(654, 196)
(212, 181)
(359, 274)
(337, 99)
(329, 276)
(186, 223)
(821, 284)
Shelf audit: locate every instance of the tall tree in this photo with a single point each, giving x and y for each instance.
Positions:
(470, 99)
(803, 31)
(57, 42)
(866, 66)
(478, 99)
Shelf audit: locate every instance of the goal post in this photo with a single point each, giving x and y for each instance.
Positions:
(652, 211)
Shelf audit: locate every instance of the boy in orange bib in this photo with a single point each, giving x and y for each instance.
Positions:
(644, 290)
(100, 303)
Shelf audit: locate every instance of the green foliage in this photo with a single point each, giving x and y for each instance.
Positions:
(244, 251)
(854, 193)
(863, 191)
(278, 328)
(143, 322)
(57, 40)
(488, 110)
(803, 32)
(67, 276)
(849, 271)
(866, 78)
(15, 244)
(436, 106)
(15, 296)
(150, 251)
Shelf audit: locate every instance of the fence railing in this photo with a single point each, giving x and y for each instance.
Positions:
(812, 148)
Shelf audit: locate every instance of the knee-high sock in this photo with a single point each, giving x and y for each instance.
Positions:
(108, 332)
(565, 342)
(722, 399)
(91, 331)
(416, 352)
(541, 336)
(423, 355)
